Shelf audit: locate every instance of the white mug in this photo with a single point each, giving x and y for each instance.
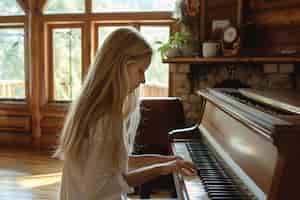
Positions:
(210, 49)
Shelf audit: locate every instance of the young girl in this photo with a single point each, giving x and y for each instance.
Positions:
(98, 135)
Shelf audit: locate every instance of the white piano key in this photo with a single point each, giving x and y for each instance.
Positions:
(192, 184)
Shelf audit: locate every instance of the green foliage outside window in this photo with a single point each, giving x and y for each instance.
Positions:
(10, 7)
(67, 63)
(12, 71)
(157, 73)
(132, 5)
(64, 6)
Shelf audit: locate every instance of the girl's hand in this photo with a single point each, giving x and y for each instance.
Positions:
(178, 165)
(171, 158)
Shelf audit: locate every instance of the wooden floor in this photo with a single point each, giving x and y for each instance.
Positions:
(33, 175)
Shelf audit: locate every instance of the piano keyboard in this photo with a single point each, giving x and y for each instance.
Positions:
(214, 181)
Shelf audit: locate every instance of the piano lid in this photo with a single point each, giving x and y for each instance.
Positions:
(285, 99)
(267, 120)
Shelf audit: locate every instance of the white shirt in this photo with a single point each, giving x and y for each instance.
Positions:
(91, 177)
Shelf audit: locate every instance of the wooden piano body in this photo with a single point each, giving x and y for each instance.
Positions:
(260, 146)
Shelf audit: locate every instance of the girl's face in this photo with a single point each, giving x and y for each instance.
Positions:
(136, 72)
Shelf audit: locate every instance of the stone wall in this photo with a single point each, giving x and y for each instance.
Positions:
(255, 76)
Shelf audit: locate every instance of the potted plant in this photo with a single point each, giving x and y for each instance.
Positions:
(175, 46)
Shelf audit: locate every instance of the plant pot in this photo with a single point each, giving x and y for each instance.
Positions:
(173, 52)
(186, 51)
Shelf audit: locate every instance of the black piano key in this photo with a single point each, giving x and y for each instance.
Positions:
(221, 186)
(233, 190)
(229, 198)
(225, 195)
(219, 178)
(215, 179)
(218, 184)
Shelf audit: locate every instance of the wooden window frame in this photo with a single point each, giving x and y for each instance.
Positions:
(89, 22)
(11, 22)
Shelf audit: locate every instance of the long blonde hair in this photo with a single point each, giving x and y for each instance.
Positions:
(105, 91)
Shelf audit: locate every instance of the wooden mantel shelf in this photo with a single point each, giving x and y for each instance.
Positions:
(201, 60)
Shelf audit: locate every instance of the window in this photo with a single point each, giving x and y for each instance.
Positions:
(67, 63)
(132, 5)
(12, 73)
(9, 8)
(104, 31)
(71, 40)
(64, 6)
(157, 75)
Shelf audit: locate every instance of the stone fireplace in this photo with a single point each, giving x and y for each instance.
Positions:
(188, 78)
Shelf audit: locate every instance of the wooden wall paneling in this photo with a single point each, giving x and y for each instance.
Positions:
(242, 10)
(220, 3)
(51, 128)
(15, 139)
(278, 41)
(52, 125)
(282, 17)
(262, 5)
(240, 13)
(203, 16)
(14, 109)
(15, 124)
(276, 27)
(55, 109)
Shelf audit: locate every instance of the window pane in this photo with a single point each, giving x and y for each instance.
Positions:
(104, 31)
(64, 6)
(12, 71)
(67, 63)
(10, 7)
(132, 5)
(157, 74)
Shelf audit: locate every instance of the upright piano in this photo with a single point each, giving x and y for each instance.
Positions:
(245, 146)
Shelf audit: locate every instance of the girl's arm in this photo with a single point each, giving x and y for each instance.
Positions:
(141, 175)
(137, 161)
